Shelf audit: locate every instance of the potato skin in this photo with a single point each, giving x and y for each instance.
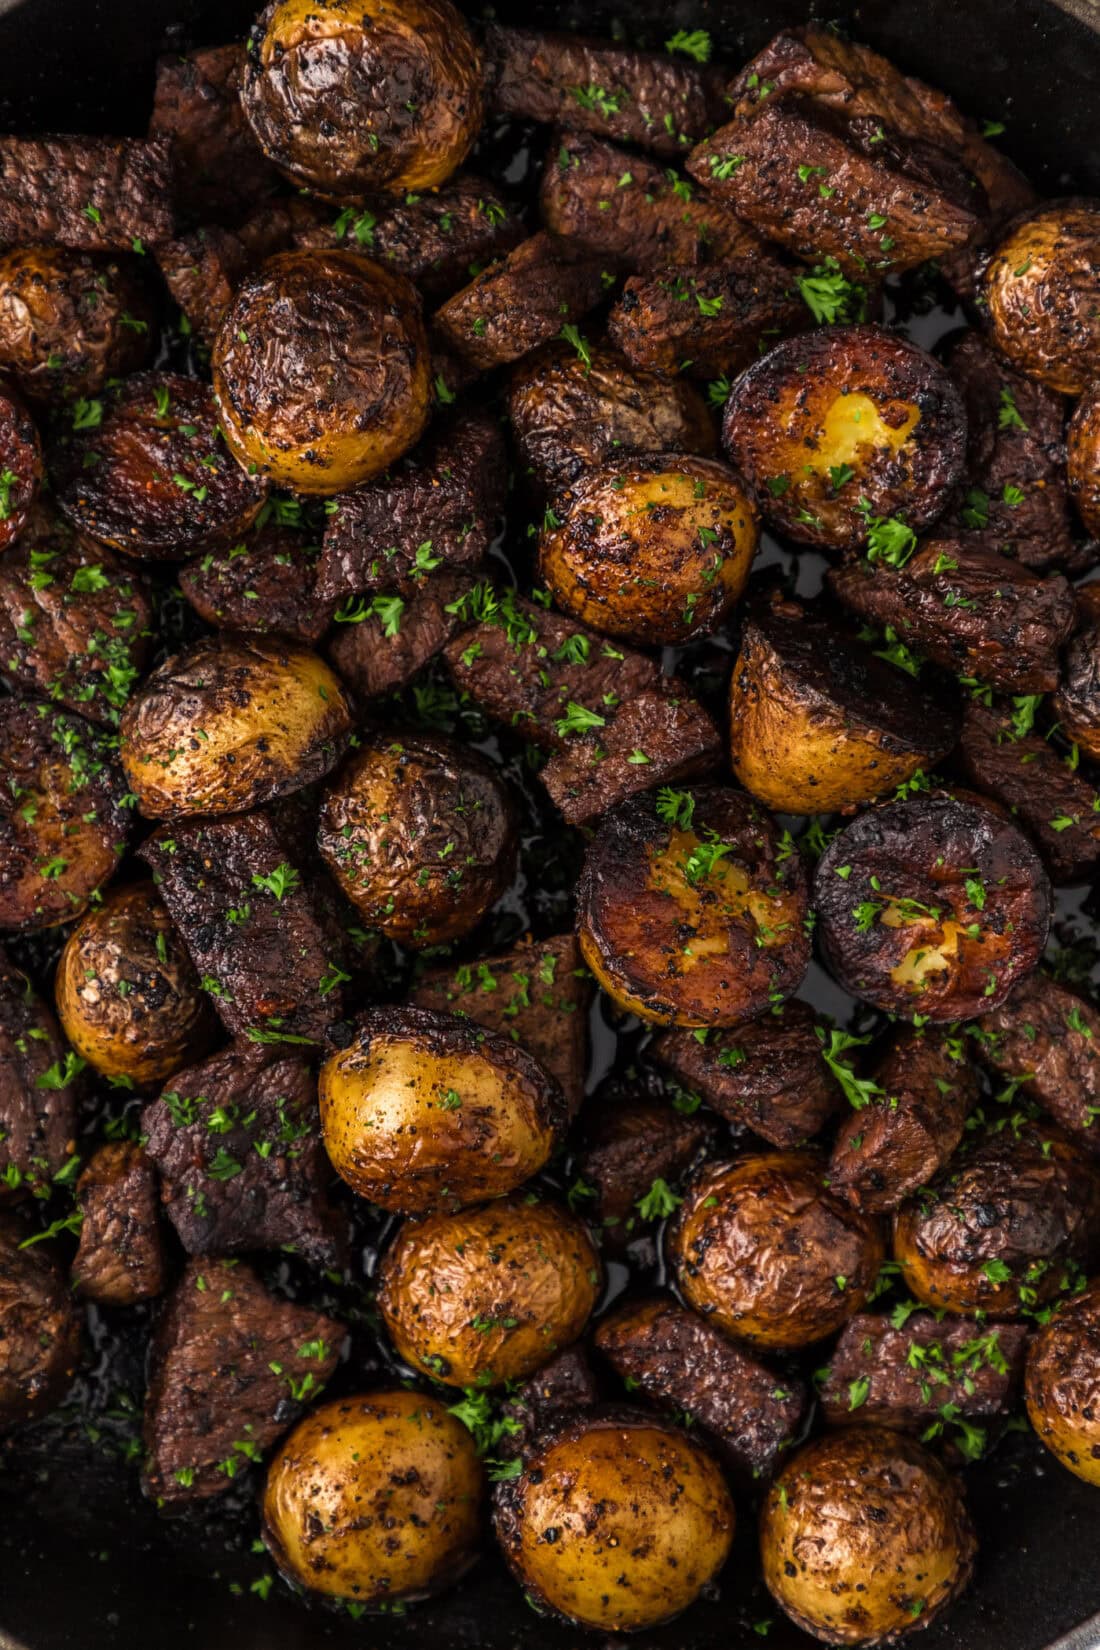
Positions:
(421, 836)
(865, 1536)
(763, 1249)
(1042, 289)
(70, 320)
(617, 1521)
(656, 550)
(1083, 456)
(375, 1498)
(1062, 1384)
(394, 1133)
(230, 723)
(854, 398)
(489, 1294)
(676, 942)
(127, 993)
(359, 97)
(819, 722)
(321, 370)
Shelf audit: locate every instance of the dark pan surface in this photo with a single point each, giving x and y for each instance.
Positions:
(84, 1563)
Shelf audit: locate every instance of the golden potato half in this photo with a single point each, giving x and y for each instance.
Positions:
(1042, 289)
(1062, 1384)
(375, 1498)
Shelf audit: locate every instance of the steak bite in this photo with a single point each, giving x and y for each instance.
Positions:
(613, 723)
(537, 994)
(683, 1364)
(766, 1075)
(266, 582)
(259, 937)
(649, 98)
(242, 1167)
(706, 322)
(39, 1328)
(629, 1149)
(39, 1089)
(521, 301)
(1046, 1041)
(1077, 703)
(99, 194)
(219, 170)
(380, 643)
(202, 269)
(565, 1383)
(121, 1257)
(230, 1367)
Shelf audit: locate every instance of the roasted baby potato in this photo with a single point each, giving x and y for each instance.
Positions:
(425, 1111)
(1083, 456)
(364, 98)
(1004, 1226)
(819, 721)
(1077, 703)
(490, 1294)
(656, 550)
(69, 321)
(63, 828)
(1060, 1384)
(21, 466)
(232, 722)
(865, 1536)
(569, 415)
(39, 1328)
(1041, 290)
(688, 911)
(617, 1521)
(838, 430)
(933, 906)
(127, 993)
(762, 1248)
(375, 1499)
(421, 836)
(321, 371)
(151, 478)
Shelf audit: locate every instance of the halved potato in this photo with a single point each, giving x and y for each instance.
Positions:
(818, 721)
(425, 1111)
(690, 910)
(933, 906)
(839, 429)
(1083, 457)
(655, 550)
(1042, 291)
(1060, 1384)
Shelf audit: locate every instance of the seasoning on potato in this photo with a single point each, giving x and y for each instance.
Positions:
(1041, 290)
(1060, 1384)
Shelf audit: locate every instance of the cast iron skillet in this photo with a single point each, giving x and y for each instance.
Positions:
(84, 1564)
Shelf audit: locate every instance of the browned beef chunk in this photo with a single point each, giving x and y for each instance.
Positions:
(238, 1146)
(893, 201)
(681, 1361)
(522, 301)
(968, 608)
(768, 1075)
(39, 1089)
(39, 1327)
(121, 1256)
(230, 1368)
(628, 1145)
(439, 509)
(1028, 776)
(100, 194)
(537, 994)
(633, 212)
(906, 1134)
(219, 170)
(202, 270)
(380, 644)
(565, 1383)
(266, 582)
(1046, 1040)
(648, 98)
(707, 322)
(256, 933)
(904, 1377)
(1016, 445)
(629, 727)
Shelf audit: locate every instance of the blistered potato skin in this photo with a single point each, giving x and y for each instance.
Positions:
(655, 550)
(680, 946)
(357, 97)
(321, 370)
(490, 1294)
(230, 723)
(127, 992)
(420, 835)
(865, 1536)
(857, 401)
(1083, 457)
(61, 320)
(763, 1249)
(375, 1498)
(1062, 1384)
(1042, 289)
(394, 1133)
(642, 1515)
